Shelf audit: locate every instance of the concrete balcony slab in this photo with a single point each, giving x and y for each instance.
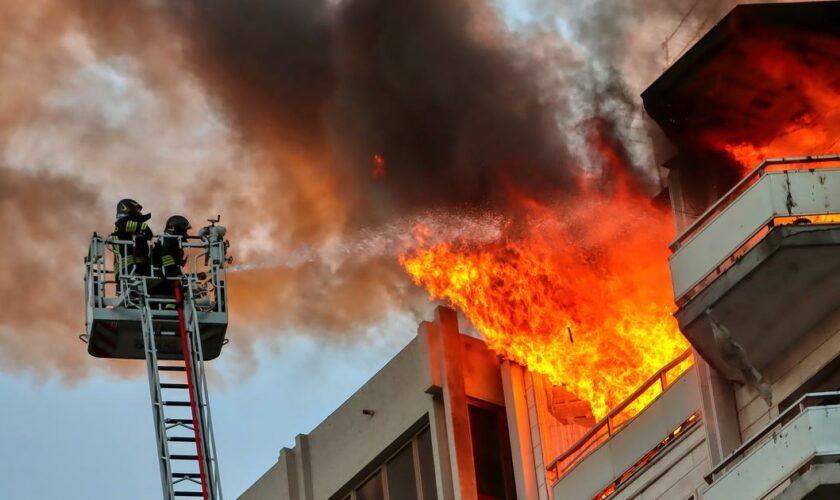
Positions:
(820, 482)
(764, 261)
(800, 446)
(775, 293)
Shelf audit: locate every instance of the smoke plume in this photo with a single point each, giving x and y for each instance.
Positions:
(312, 126)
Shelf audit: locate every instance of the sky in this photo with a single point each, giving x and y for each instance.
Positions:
(76, 428)
(95, 440)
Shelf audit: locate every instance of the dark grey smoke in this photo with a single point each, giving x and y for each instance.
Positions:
(458, 115)
(454, 102)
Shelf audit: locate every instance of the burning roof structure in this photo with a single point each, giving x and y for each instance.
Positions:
(763, 83)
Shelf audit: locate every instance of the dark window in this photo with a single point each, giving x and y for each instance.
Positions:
(491, 455)
(372, 489)
(409, 474)
(827, 379)
(401, 482)
(427, 465)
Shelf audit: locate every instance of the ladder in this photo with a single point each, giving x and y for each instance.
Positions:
(185, 445)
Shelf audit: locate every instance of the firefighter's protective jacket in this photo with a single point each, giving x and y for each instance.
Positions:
(133, 228)
(168, 256)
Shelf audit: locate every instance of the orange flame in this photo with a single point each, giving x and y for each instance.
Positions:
(579, 292)
(809, 94)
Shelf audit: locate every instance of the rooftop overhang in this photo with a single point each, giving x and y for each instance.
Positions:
(716, 92)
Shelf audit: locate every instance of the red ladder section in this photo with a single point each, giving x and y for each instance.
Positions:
(197, 425)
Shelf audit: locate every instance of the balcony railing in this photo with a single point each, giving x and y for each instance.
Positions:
(609, 425)
(808, 431)
(786, 187)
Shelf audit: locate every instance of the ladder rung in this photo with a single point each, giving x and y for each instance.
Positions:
(176, 403)
(189, 494)
(181, 439)
(167, 385)
(180, 421)
(183, 475)
(169, 368)
(183, 457)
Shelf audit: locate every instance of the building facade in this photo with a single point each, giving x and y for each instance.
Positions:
(431, 422)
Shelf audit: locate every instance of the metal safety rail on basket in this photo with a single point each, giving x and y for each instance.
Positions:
(205, 258)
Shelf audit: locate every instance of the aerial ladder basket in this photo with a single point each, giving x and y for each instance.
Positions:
(175, 328)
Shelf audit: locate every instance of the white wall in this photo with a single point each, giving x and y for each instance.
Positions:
(786, 375)
(404, 396)
(348, 440)
(279, 482)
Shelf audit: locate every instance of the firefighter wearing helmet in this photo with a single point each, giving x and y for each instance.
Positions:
(168, 257)
(168, 253)
(132, 225)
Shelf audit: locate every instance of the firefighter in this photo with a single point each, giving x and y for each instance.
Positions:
(132, 225)
(168, 256)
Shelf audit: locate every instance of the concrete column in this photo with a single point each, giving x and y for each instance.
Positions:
(455, 404)
(428, 334)
(720, 415)
(304, 467)
(288, 471)
(519, 429)
(440, 450)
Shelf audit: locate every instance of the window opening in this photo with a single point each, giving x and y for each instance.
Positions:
(373, 489)
(427, 465)
(491, 454)
(402, 483)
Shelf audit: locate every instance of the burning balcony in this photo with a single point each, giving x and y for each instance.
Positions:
(763, 83)
(756, 263)
(620, 445)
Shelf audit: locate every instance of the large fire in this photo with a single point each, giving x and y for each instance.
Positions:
(578, 291)
(807, 93)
